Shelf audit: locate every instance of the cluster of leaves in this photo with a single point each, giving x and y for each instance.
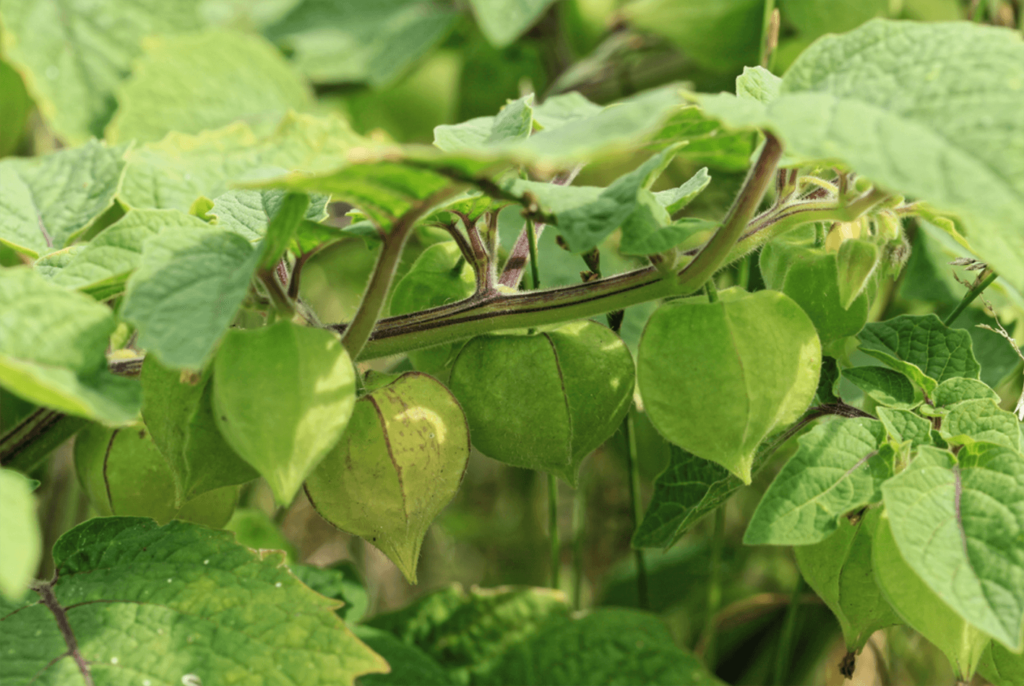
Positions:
(173, 251)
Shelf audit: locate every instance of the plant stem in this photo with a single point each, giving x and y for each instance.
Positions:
(714, 589)
(358, 331)
(715, 253)
(968, 298)
(783, 657)
(556, 545)
(634, 498)
(712, 290)
(534, 265)
(579, 530)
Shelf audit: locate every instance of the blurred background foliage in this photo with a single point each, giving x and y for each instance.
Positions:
(396, 69)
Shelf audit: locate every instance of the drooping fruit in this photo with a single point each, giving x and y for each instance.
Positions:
(180, 420)
(840, 571)
(436, 278)
(544, 401)
(835, 301)
(717, 378)
(124, 473)
(399, 462)
(282, 396)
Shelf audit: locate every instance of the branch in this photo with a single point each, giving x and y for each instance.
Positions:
(358, 332)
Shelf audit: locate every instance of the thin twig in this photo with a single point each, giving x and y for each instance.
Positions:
(969, 297)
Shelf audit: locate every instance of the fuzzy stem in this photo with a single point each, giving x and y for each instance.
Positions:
(637, 506)
(784, 654)
(556, 545)
(968, 298)
(358, 332)
(714, 589)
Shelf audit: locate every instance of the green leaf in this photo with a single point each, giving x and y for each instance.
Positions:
(50, 200)
(248, 213)
(958, 530)
(839, 569)
(175, 171)
(1001, 667)
(707, 141)
(981, 421)
(757, 83)
(580, 377)
(20, 537)
(886, 387)
(15, 111)
(399, 463)
(955, 390)
(676, 199)
(606, 646)
(722, 36)
(282, 227)
(433, 281)
(906, 426)
(921, 347)
(102, 266)
(838, 468)
(339, 41)
(282, 396)
(563, 109)
(920, 608)
(513, 122)
(241, 77)
(52, 350)
(647, 238)
(681, 497)
(469, 633)
(585, 226)
(180, 419)
(340, 581)
(195, 275)
(503, 21)
(124, 579)
(835, 107)
(409, 664)
(73, 64)
(692, 350)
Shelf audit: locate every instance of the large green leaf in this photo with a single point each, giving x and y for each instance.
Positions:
(469, 633)
(920, 608)
(503, 21)
(47, 201)
(52, 350)
(198, 276)
(136, 603)
(921, 347)
(175, 171)
(338, 41)
(282, 396)
(606, 646)
(958, 528)
(710, 384)
(73, 58)
(840, 571)
(839, 467)
(236, 76)
(880, 100)
(513, 122)
(20, 537)
(102, 266)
